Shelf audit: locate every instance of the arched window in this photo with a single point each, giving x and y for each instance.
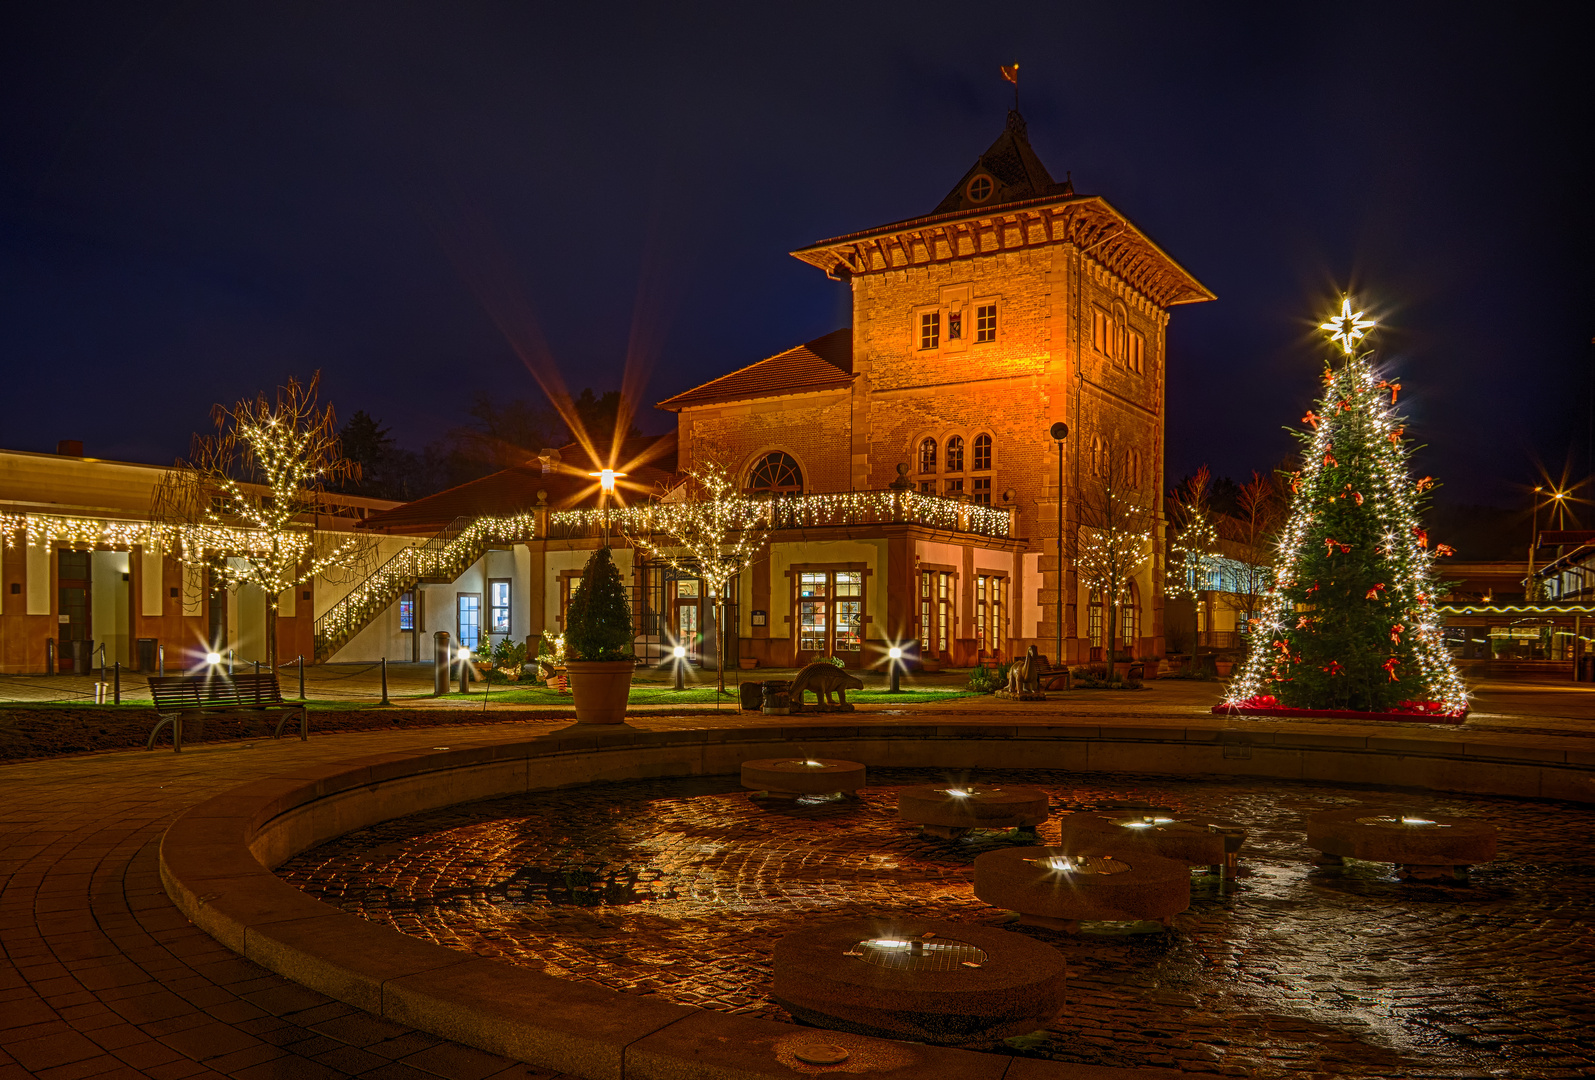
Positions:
(927, 456)
(955, 454)
(1094, 619)
(1096, 455)
(1121, 328)
(775, 474)
(1127, 616)
(982, 453)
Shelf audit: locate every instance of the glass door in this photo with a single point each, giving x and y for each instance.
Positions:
(687, 623)
(73, 588)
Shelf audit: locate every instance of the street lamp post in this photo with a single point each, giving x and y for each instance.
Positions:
(1060, 431)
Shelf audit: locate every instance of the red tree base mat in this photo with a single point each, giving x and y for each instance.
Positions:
(1414, 717)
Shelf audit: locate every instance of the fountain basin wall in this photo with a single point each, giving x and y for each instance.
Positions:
(216, 863)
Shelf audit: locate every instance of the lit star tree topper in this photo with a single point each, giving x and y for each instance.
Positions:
(1349, 621)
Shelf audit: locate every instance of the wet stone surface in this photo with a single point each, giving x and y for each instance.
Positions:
(682, 887)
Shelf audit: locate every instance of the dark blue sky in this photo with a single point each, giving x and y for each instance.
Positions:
(197, 199)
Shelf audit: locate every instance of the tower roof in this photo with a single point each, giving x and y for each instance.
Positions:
(1013, 171)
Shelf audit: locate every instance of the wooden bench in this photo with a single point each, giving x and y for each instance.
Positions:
(188, 696)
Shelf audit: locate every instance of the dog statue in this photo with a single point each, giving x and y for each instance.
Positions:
(821, 678)
(1024, 678)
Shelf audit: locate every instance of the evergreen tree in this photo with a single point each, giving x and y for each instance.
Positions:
(598, 622)
(1349, 622)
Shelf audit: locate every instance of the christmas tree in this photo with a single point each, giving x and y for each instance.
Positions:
(1350, 621)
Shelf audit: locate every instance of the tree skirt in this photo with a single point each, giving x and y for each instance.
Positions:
(1409, 712)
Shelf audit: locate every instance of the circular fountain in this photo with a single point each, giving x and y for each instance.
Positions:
(1420, 845)
(1194, 841)
(954, 810)
(794, 777)
(931, 981)
(1059, 888)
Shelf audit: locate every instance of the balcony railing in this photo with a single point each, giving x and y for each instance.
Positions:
(794, 512)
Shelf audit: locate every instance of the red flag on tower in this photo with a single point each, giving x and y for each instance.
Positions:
(1011, 73)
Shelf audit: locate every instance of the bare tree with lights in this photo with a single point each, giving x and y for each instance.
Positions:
(266, 469)
(1252, 534)
(1114, 541)
(1194, 551)
(714, 531)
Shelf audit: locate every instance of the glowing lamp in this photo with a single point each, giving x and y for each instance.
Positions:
(679, 651)
(606, 479)
(895, 653)
(1416, 821)
(213, 658)
(464, 653)
(958, 793)
(814, 764)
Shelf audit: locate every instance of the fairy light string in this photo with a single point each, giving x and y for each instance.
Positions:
(1356, 420)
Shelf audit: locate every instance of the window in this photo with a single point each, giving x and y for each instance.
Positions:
(469, 623)
(927, 456)
(990, 602)
(980, 188)
(930, 330)
(775, 474)
(569, 582)
(980, 490)
(498, 606)
(1121, 326)
(1137, 357)
(927, 487)
(1127, 618)
(955, 454)
(1094, 619)
(407, 611)
(986, 322)
(1101, 331)
(953, 487)
(1096, 455)
(955, 324)
(935, 610)
(982, 453)
(831, 612)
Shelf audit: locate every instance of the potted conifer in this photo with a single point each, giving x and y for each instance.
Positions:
(598, 637)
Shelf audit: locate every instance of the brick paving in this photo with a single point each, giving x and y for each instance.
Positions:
(681, 887)
(101, 976)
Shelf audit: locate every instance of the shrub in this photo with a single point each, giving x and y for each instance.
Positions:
(984, 680)
(599, 620)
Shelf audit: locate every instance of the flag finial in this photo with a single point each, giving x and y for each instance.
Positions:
(1011, 73)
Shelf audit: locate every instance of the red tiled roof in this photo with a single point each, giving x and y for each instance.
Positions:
(514, 490)
(822, 364)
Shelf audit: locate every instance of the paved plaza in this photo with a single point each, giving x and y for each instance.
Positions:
(102, 976)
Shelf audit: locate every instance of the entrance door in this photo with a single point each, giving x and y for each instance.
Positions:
(74, 587)
(687, 618)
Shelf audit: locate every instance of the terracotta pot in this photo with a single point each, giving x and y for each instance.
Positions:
(1223, 667)
(600, 689)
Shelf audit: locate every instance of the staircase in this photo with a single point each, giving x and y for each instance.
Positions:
(439, 560)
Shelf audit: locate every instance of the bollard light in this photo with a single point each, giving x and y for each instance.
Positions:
(465, 668)
(213, 658)
(680, 653)
(895, 658)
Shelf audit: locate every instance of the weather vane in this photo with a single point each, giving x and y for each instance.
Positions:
(1347, 327)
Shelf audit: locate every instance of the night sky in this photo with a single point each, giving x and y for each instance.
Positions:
(198, 199)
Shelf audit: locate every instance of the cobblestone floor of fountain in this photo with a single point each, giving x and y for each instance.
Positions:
(681, 887)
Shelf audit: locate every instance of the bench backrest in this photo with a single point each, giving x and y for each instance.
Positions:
(213, 690)
(261, 689)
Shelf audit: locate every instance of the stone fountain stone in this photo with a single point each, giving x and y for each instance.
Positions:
(1195, 840)
(1420, 845)
(926, 980)
(1059, 887)
(953, 810)
(798, 775)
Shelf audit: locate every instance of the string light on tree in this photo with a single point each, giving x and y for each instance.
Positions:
(1349, 619)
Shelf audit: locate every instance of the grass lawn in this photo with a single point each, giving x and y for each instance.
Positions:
(649, 694)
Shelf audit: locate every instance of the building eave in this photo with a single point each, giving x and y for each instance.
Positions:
(1089, 222)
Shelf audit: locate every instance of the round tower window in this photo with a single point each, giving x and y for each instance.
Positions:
(980, 189)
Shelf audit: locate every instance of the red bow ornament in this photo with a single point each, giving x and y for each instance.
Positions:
(1395, 633)
(1311, 418)
(1422, 535)
(1333, 667)
(1390, 666)
(1442, 550)
(1375, 591)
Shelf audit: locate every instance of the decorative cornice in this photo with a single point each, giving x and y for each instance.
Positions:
(1089, 223)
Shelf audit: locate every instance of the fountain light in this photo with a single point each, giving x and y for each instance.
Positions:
(1416, 821)
(959, 793)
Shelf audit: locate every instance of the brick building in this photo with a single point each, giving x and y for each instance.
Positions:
(1014, 304)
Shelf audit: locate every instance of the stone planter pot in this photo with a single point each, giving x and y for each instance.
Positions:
(600, 689)
(1223, 667)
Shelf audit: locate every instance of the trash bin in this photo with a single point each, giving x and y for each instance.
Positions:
(146, 654)
(752, 694)
(1586, 668)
